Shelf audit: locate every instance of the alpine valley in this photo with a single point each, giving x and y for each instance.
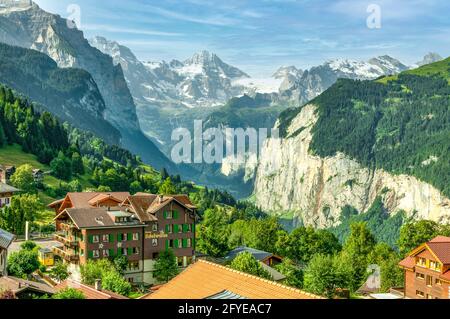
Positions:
(354, 134)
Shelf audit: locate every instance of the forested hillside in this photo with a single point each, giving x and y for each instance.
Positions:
(400, 124)
(70, 94)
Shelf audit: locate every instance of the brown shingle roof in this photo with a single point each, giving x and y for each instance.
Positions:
(139, 205)
(89, 292)
(81, 200)
(145, 205)
(441, 250)
(205, 279)
(408, 262)
(93, 218)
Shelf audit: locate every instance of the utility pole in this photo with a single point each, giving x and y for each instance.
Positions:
(27, 236)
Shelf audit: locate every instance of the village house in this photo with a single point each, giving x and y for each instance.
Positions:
(6, 240)
(25, 289)
(6, 194)
(38, 176)
(427, 270)
(265, 257)
(91, 226)
(214, 281)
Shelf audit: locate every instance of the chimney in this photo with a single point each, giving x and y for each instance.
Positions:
(98, 285)
(160, 198)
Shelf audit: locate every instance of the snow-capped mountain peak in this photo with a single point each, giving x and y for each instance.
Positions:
(430, 58)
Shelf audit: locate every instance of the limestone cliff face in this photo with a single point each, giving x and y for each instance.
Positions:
(290, 179)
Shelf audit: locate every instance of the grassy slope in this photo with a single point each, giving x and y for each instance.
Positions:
(441, 68)
(13, 155)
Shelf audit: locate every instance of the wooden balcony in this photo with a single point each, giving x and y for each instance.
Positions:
(66, 226)
(67, 241)
(69, 256)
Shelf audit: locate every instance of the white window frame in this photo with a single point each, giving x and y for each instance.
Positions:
(95, 239)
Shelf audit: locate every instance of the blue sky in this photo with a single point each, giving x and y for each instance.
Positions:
(260, 35)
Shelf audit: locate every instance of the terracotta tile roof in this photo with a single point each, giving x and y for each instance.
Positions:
(440, 239)
(89, 292)
(408, 262)
(205, 279)
(17, 285)
(441, 250)
(445, 276)
(94, 217)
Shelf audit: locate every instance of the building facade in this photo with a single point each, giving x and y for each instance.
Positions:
(427, 270)
(6, 240)
(140, 228)
(6, 194)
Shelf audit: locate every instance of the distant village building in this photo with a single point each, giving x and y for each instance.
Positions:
(6, 193)
(427, 270)
(214, 281)
(38, 176)
(6, 240)
(265, 257)
(25, 289)
(91, 226)
(6, 171)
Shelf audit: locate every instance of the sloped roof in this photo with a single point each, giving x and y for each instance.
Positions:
(93, 218)
(204, 279)
(5, 239)
(441, 250)
(408, 262)
(89, 199)
(276, 275)
(140, 203)
(89, 292)
(17, 285)
(146, 205)
(5, 188)
(258, 254)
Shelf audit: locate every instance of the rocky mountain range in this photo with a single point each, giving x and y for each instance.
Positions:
(26, 25)
(359, 141)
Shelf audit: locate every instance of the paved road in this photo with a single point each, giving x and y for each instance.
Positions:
(15, 246)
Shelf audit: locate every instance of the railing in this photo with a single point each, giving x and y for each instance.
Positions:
(65, 240)
(66, 226)
(68, 256)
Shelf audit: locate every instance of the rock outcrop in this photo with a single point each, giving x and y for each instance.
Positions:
(291, 179)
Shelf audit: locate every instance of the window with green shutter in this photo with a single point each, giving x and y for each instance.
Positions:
(165, 215)
(130, 251)
(111, 238)
(90, 254)
(184, 243)
(129, 236)
(175, 243)
(167, 229)
(175, 228)
(175, 214)
(111, 252)
(91, 239)
(167, 244)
